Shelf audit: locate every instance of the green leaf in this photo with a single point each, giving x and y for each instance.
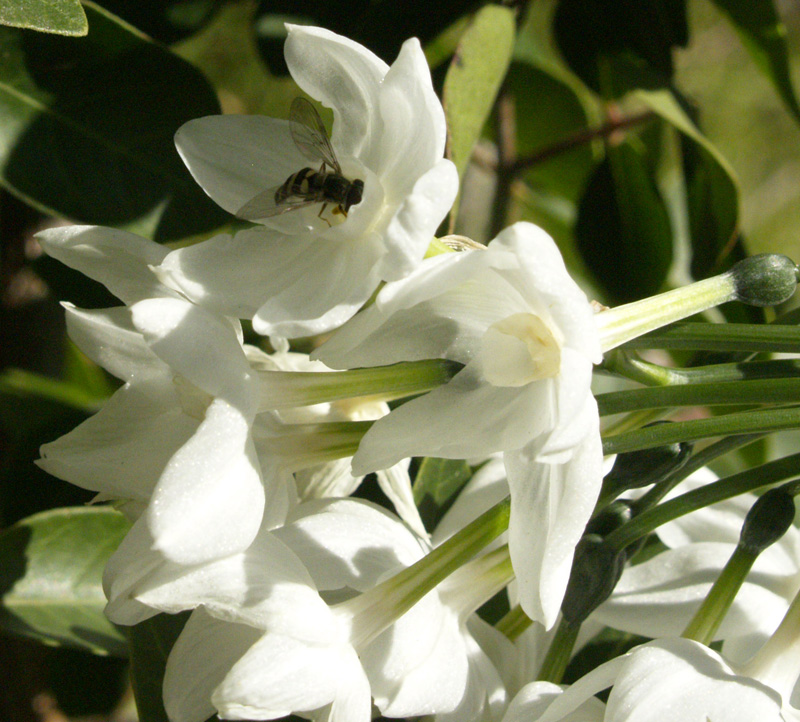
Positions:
(473, 79)
(51, 566)
(62, 17)
(712, 191)
(764, 36)
(623, 223)
(87, 128)
(439, 479)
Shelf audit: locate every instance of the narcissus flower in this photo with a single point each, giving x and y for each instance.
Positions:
(302, 273)
(527, 338)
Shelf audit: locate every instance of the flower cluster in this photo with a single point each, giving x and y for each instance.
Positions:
(235, 466)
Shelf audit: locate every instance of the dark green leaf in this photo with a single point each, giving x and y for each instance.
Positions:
(623, 225)
(88, 125)
(617, 47)
(711, 188)
(439, 479)
(473, 79)
(51, 566)
(764, 36)
(63, 17)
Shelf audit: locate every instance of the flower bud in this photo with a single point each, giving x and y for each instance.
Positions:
(596, 569)
(767, 520)
(766, 279)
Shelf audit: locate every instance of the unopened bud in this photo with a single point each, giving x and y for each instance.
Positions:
(596, 570)
(767, 521)
(766, 279)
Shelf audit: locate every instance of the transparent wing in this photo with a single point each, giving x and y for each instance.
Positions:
(310, 135)
(263, 205)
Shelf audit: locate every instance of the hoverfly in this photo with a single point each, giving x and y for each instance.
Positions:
(307, 186)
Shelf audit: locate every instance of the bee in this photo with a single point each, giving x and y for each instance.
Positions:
(307, 186)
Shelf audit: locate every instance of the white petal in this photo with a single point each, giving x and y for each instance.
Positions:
(210, 499)
(204, 653)
(674, 680)
(108, 337)
(396, 484)
(441, 310)
(462, 419)
(534, 699)
(419, 665)
(266, 586)
(121, 450)
(117, 259)
(290, 285)
(543, 278)
(235, 157)
(342, 75)
(418, 216)
(550, 505)
(200, 346)
(279, 675)
(133, 561)
(348, 542)
(413, 124)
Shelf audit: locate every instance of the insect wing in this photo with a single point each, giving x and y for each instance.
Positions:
(309, 134)
(264, 205)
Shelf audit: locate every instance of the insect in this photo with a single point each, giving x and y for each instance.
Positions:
(307, 186)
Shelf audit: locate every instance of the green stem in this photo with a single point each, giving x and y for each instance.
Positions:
(514, 623)
(697, 461)
(288, 389)
(734, 337)
(389, 600)
(621, 324)
(762, 391)
(643, 524)
(715, 606)
(761, 421)
(559, 652)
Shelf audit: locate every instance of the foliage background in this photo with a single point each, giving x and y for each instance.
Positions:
(85, 135)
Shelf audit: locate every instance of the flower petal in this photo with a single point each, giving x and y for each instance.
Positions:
(202, 347)
(279, 675)
(117, 259)
(121, 451)
(550, 505)
(342, 75)
(235, 157)
(205, 651)
(348, 542)
(210, 499)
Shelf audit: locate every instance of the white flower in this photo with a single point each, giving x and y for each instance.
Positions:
(527, 336)
(668, 680)
(659, 597)
(264, 644)
(300, 274)
(175, 438)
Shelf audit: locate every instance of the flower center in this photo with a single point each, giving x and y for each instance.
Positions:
(519, 349)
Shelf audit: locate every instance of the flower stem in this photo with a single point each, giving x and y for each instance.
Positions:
(287, 389)
(559, 652)
(389, 600)
(727, 488)
(743, 422)
(712, 611)
(734, 337)
(624, 323)
(759, 391)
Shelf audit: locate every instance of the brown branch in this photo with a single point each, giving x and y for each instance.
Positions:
(578, 139)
